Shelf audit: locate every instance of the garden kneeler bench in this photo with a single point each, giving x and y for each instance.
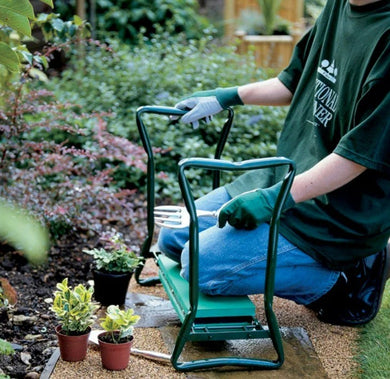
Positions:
(212, 318)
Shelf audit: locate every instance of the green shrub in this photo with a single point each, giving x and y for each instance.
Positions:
(46, 169)
(161, 71)
(126, 19)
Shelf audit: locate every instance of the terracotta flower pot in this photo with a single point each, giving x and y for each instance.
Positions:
(115, 356)
(111, 288)
(72, 348)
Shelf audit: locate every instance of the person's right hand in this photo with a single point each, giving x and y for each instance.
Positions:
(205, 104)
(250, 209)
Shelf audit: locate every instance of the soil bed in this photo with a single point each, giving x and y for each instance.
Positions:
(29, 323)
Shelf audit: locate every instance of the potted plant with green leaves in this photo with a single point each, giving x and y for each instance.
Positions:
(113, 268)
(75, 311)
(115, 343)
(269, 28)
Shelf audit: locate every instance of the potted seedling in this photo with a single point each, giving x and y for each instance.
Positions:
(115, 343)
(75, 311)
(112, 270)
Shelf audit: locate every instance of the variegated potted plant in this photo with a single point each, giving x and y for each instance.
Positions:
(115, 343)
(75, 311)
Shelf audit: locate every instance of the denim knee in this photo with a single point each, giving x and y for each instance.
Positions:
(168, 244)
(205, 285)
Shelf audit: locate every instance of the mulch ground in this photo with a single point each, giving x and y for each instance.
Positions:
(29, 324)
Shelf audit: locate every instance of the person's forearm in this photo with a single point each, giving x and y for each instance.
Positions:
(326, 176)
(268, 92)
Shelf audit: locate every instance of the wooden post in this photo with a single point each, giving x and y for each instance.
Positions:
(92, 17)
(230, 19)
(80, 9)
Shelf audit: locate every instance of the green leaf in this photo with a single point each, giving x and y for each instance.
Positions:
(15, 21)
(23, 232)
(6, 347)
(38, 74)
(57, 24)
(77, 20)
(8, 58)
(24, 56)
(48, 2)
(20, 7)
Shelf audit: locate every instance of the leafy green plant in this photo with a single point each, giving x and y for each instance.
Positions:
(24, 232)
(269, 9)
(128, 19)
(74, 308)
(252, 22)
(48, 170)
(119, 324)
(115, 256)
(17, 19)
(15, 15)
(149, 74)
(27, 117)
(6, 348)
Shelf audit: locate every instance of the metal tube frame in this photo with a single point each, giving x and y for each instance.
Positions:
(150, 174)
(216, 165)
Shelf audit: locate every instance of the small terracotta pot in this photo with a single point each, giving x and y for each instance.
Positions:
(72, 348)
(115, 356)
(111, 288)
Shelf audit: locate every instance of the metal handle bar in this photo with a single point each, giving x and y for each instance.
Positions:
(150, 194)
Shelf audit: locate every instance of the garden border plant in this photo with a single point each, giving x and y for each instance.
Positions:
(126, 20)
(146, 74)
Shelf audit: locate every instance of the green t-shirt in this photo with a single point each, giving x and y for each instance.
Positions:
(340, 77)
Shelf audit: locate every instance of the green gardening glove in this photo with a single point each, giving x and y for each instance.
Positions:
(250, 209)
(205, 104)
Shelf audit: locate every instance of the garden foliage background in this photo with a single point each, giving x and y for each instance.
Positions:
(70, 151)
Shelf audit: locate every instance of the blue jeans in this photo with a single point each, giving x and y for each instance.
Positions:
(233, 262)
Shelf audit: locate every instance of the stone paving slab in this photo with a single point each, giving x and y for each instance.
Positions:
(301, 361)
(154, 311)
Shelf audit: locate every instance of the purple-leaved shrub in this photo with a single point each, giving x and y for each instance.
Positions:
(59, 163)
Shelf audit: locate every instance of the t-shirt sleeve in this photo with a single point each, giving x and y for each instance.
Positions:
(367, 143)
(291, 75)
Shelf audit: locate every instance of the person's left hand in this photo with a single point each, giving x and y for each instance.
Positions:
(205, 104)
(200, 108)
(250, 209)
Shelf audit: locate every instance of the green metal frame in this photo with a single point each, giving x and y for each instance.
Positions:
(150, 183)
(196, 325)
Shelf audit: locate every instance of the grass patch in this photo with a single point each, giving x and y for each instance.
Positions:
(374, 343)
